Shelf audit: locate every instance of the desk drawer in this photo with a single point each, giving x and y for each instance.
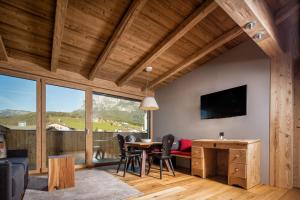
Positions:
(230, 146)
(219, 145)
(238, 170)
(197, 152)
(197, 163)
(238, 156)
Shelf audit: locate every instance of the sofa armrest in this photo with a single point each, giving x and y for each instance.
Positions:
(17, 153)
(5, 180)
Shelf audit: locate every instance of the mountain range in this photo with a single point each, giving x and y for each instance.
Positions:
(10, 112)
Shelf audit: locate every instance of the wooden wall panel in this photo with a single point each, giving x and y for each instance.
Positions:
(297, 125)
(281, 122)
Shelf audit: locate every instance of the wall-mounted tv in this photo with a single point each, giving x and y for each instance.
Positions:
(227, 103)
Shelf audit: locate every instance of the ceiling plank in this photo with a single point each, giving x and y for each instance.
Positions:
(121, 28)
(223, 39)
(198, 15)
(244, 11)
(3, 54)
(60, 15)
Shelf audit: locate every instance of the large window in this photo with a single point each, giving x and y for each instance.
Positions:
(18, 115)
(111, 116)
(65, 122)
(62, 118)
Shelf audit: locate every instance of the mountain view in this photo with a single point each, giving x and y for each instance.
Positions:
(109, 114)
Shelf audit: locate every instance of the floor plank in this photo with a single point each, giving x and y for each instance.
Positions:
(187, 187)
(291, 194)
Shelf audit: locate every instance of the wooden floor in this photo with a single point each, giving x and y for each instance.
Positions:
(184, 186)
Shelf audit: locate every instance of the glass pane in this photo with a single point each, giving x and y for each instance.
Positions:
(18, 115)
(65, 122)
(112, 116)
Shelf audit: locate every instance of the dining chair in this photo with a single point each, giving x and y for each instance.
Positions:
(164, 154)
(133, 150)
(126, 156)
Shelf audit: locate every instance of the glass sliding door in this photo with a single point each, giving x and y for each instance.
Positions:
(111, 116)
(65, 122)
(18, 116)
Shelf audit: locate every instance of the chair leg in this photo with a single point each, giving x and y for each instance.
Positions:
(125, 166)
(171, 165)
(132, 164)
(149, 163)
(128, 163)
(121, 160)
(139, 162)
(97, 154)
(161, 168)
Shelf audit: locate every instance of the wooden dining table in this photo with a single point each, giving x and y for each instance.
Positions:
(144, 146)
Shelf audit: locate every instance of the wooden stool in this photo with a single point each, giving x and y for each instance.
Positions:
(61, 172)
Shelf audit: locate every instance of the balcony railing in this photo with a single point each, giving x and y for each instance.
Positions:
(68, 142)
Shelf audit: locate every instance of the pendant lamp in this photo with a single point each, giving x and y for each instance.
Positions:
(149, 102)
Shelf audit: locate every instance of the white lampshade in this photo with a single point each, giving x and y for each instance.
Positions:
(149, 103)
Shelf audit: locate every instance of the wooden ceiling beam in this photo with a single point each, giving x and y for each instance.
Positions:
(3, 54)
(198, 15)
(121, 28)
(60, 15)
(233, 33)
(244, 11)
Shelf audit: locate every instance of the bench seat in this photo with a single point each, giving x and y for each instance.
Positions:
(181, 153)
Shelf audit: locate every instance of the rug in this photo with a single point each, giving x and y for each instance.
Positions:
(90, 184)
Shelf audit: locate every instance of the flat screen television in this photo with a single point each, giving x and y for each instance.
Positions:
(227, 103)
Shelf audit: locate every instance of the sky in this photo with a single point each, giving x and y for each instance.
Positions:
(20, 94)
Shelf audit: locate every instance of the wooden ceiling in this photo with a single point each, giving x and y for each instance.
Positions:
(116, 39)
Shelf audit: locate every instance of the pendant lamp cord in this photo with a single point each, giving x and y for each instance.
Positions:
(147, 82)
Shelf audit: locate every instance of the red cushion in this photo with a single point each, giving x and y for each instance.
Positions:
(185, 145)
(182, 153)
(156, 150)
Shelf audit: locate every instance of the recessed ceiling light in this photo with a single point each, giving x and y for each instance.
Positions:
(258, 35)
(250, 25)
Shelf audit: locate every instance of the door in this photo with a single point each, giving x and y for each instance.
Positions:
(65, 131)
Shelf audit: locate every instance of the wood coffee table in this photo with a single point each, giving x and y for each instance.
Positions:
(61, 172)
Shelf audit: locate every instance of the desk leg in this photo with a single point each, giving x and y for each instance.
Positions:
(143, 165)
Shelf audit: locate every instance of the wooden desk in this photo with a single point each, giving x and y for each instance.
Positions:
(238, 160)
(61, 172)
(144, 146)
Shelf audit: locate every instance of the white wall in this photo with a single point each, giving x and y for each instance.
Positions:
(179, 101)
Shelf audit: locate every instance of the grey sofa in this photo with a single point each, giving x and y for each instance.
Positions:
(14, 175)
